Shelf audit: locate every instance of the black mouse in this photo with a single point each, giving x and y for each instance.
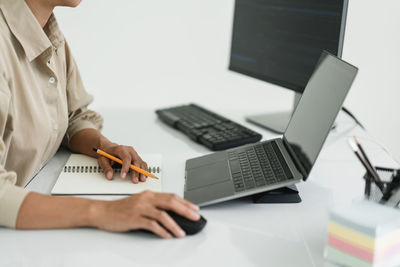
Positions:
(190, 227)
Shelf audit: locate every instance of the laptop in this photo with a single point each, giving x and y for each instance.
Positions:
(280, 162)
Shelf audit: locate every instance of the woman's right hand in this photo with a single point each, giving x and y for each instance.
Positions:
(146, 210)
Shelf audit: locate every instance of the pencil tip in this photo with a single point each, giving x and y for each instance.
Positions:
(355, 138)
(95, 149)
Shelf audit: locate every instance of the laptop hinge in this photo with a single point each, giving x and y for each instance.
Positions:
(295, 159)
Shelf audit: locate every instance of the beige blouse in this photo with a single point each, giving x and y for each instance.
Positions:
(42, 101)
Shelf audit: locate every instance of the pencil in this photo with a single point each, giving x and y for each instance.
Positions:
(366, 166)
(132, 167)
(366, 157)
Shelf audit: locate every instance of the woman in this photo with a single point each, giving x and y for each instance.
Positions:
(43, 104)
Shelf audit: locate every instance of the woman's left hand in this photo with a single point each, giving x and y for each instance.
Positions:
(129, 156)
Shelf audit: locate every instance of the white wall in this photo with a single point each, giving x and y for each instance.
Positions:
(372, 43)
(157, 53)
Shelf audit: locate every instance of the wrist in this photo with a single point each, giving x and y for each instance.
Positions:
(95, 212)
(85, 140)
(104, 143)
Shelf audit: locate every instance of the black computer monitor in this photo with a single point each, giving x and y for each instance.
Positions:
(280, 41)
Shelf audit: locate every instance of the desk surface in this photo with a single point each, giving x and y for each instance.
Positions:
(238, 233)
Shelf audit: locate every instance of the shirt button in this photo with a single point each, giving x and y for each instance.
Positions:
(52, 80)
(55, 126)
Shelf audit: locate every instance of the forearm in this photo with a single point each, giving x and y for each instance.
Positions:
(48, 212)
(141, 211)
(85, 140)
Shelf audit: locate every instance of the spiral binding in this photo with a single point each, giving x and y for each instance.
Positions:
(97, 169)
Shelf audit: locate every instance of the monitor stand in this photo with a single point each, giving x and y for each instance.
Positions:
(276, 122)
(288, 194)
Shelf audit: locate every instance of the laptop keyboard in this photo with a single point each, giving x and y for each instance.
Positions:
(257, 166)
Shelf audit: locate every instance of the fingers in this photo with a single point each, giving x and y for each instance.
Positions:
(137, 161)
(105, 164)
(178, 205)
(154, 227)
(157, 213)
(129, 156)
(146, 210)
(126, 162)
(168, 223)
(143, 166)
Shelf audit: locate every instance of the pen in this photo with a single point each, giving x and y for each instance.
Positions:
(133, 167)
(366, 166)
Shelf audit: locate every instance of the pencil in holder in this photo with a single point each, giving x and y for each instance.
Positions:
(372, 191)
(390, 192)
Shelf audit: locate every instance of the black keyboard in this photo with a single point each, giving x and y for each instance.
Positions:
(207, 128)
(257, 166)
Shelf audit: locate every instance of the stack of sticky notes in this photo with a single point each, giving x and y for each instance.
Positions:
(364, 233)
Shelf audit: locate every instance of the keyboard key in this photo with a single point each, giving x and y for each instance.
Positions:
(288, 174)
(235, 166)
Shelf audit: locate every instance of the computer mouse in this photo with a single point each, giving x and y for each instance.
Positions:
(190, 227)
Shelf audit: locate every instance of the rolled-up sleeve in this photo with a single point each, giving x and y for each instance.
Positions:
(80, 117)
(11, 196)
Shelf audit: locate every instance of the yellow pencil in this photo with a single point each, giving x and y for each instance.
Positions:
(133, 167)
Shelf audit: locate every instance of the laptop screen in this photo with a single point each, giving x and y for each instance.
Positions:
(317, 109)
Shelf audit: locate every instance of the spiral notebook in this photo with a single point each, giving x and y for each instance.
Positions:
(82, 175)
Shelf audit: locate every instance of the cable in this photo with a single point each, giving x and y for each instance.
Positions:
(348, 112)
(353, 117)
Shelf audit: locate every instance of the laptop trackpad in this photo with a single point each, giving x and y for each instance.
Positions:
(208, 174)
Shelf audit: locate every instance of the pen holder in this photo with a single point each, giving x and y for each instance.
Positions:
(391, 187)
(372, 191)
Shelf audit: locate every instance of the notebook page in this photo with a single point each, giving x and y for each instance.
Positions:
(82, 176)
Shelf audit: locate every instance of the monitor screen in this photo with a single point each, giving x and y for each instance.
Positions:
(317, 109)
(280, 41)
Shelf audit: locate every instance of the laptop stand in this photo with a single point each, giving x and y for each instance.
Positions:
(288, 194)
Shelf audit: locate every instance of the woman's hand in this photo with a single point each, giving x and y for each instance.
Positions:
(85, 140)
(143, 211)
(129, 156)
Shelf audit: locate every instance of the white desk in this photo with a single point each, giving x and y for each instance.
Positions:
(238, 233)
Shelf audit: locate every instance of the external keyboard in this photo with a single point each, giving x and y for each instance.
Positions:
(208, 128)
